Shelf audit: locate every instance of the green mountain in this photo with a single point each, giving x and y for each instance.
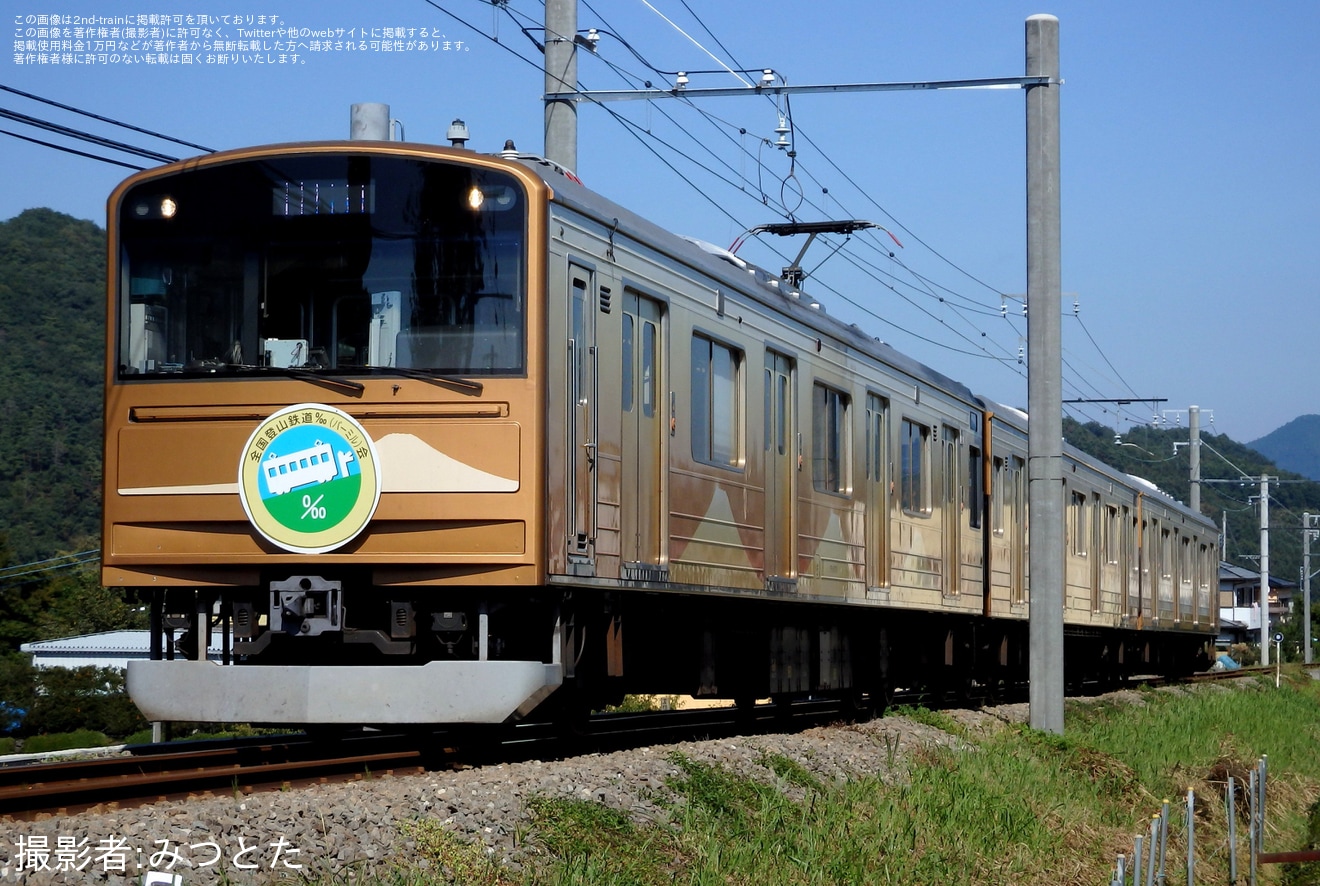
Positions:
(1295, 446)
(52, 336)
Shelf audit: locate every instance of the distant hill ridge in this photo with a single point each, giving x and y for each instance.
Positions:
(1294, 447)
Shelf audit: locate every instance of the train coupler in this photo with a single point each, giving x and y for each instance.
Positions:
(307, 606)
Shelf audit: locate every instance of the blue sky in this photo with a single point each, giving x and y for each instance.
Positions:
(1190, 151)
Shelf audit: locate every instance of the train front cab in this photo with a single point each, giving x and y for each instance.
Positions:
(387, 300)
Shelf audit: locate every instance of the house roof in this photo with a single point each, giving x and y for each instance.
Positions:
(1238, 574)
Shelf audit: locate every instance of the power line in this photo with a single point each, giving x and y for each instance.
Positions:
(110, 120)
(961, 305)
(9, 574)
(67, 150)
(81, 135)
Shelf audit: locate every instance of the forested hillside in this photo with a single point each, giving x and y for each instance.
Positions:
(52, 346)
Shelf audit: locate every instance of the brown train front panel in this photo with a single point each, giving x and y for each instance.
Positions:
(461, 475)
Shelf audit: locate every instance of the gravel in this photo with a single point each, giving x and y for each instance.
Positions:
(352, 830)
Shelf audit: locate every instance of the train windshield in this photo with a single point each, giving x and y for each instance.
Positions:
(340, 263)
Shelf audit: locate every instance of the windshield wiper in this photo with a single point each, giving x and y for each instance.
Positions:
(307, 375)
(438, 378)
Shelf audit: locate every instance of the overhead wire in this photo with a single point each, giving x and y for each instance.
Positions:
(794, 129)
(952, 300)
(68, 150)
(103, 119)
(9, 575)
(962, 304)
(82, 135)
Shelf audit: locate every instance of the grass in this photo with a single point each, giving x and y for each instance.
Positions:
(1009, 806)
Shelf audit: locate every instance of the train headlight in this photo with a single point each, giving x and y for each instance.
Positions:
(168, 207)
(491, 198)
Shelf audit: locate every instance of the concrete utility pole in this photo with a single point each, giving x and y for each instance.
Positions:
(561, 77)
(1194, 450)
(1307, 521)
(1044, 377)
(1264, 570)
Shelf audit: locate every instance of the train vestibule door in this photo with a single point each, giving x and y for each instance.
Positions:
(780, 469)
(952, 509)
(581, 424)
(644, 423)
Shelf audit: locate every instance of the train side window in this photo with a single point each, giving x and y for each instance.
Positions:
(649, 368)
(877, 439)
(716, 403)
(627, 403)
(829, 462)
(1077, 523)
(975, 487)
(915, 475)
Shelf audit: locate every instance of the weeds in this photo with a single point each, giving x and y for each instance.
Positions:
(441, 856)
(1025, 808)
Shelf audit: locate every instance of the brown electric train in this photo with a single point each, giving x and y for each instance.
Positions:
(406, 434)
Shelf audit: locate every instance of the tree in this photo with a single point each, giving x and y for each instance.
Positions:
(82, 698)
(76, 603)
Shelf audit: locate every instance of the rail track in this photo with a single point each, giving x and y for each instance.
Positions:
(149, 773)
(154, 772)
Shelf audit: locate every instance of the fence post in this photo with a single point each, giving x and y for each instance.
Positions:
(1264, 772)
(1230, 800)
(1150, 859)
(1191, 837)
(1164, 840)
(1253, 796)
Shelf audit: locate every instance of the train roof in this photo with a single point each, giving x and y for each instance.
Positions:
(725, 267)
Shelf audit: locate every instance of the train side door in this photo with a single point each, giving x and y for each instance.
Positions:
(582, 422)
(780, 468)
(877, 492)
(952, 505)
(1017, 529)
(644, 423)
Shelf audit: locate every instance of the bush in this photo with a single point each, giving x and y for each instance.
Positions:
(70, 699)
(64, 741)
